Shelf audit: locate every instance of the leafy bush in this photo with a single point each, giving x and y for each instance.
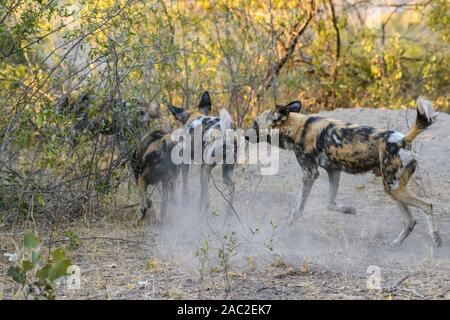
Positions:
(37, 278)
(76, 79)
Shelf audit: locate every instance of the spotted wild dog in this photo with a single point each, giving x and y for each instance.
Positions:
(213, 137)
(339, 146)
(152, 164)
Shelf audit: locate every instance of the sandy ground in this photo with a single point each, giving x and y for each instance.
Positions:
(249, 253)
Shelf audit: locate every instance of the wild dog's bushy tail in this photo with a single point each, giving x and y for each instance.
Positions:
(426, 116)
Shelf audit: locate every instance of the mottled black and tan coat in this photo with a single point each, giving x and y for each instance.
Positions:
(339, 146)
(152, 164)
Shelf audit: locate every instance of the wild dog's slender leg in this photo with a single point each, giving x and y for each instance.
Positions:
(143, 201)
(409, 223)
(164, 201)
(204, 182)
(396, 176)
(308, 181)
(185, 171)
(333, 179)
(227, 173)
(403, 195)
(172, 195)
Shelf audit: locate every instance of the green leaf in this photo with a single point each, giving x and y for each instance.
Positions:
(43, 272)
(17, 274)
(40, 200)
(35, 257)
(58, 254)
(27, 265)
(58, 269)
(30, 241)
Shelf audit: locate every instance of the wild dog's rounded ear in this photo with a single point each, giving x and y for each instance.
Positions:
(179, 113)
(204, 105)
(294, 106)
(175, 110)
(281, 113)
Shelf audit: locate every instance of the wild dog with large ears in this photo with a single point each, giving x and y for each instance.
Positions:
(185, 116)
(340, 146)
(199, 119)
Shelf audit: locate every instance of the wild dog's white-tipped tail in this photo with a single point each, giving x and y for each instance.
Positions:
(425, 117)
(425, 108)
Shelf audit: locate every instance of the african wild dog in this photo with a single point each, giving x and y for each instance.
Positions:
(152, 164)
(338, 146)
(207, 127)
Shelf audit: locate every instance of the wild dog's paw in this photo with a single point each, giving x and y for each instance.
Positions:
(140, 219)
(395, 243)
(290, 220)
(348, 210)
(342, 209)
